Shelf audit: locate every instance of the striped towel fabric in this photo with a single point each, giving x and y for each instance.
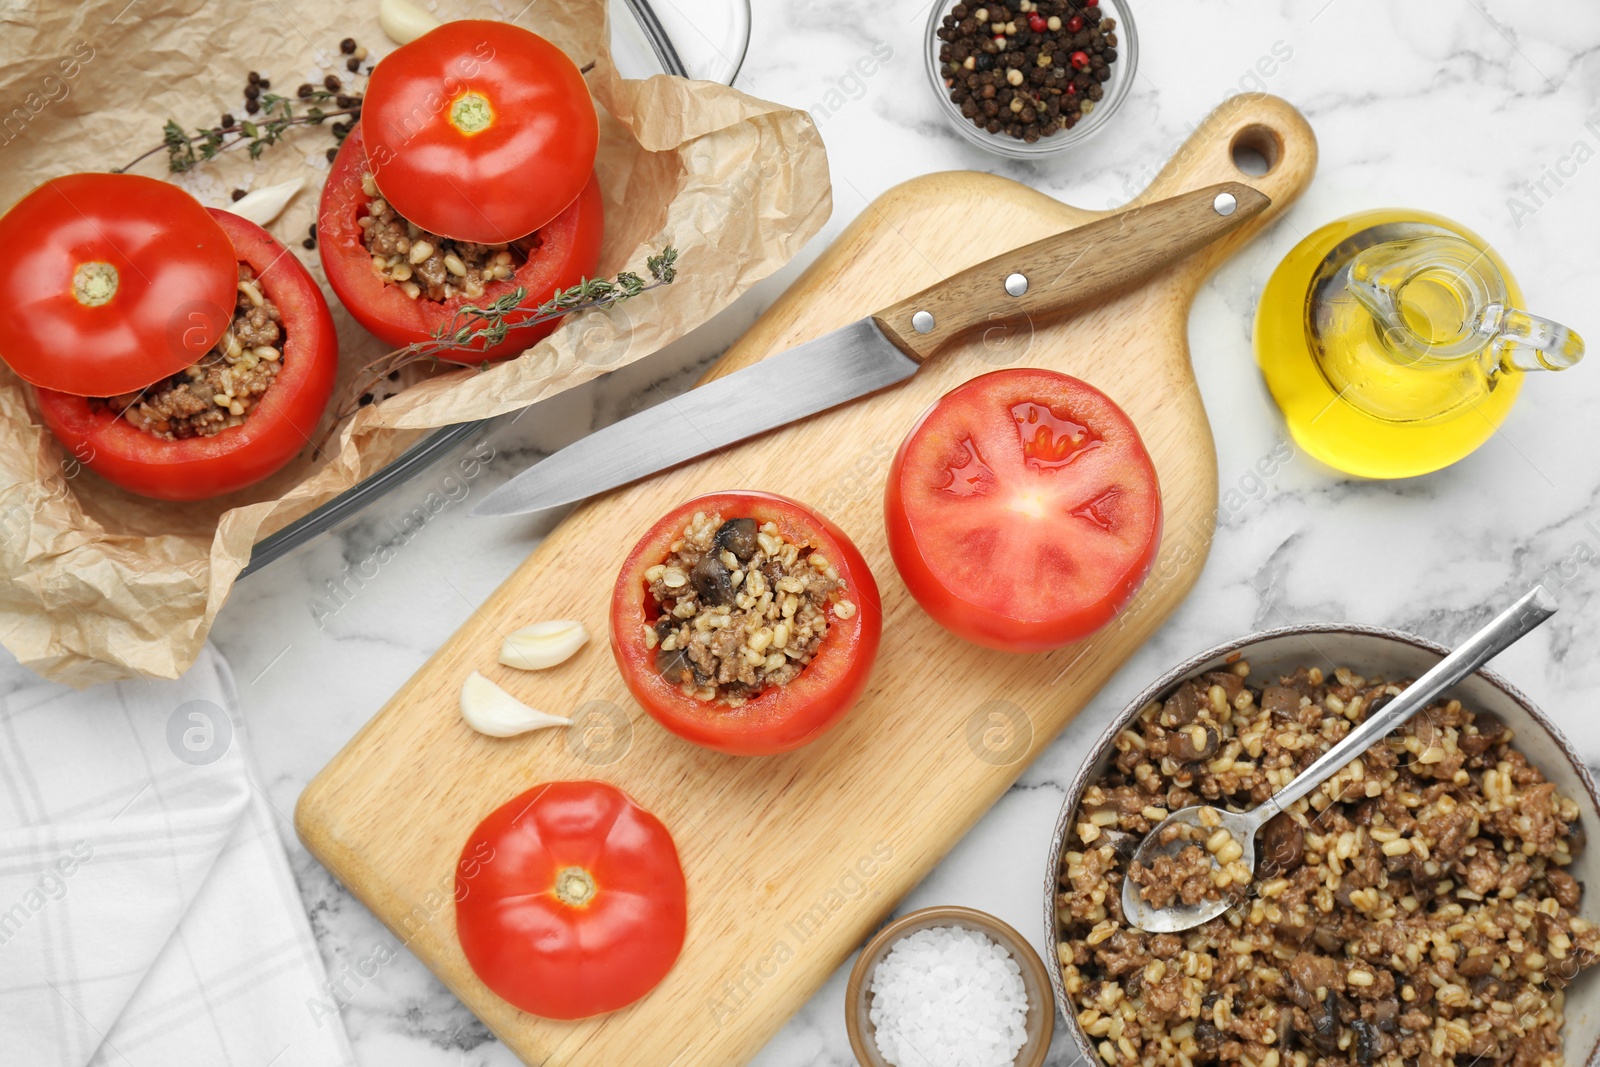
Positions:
(148, 917)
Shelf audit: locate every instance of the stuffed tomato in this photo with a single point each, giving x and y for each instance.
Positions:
(746, 622)
(178, 352)
(469, 176)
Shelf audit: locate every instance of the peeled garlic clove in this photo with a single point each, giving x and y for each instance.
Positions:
(544, 644)
(264, 205)
(491, 710)
(403, 21)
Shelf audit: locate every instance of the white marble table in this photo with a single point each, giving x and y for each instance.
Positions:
(1451, 105)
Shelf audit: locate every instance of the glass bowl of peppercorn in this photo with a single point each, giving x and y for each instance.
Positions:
(1031, 78)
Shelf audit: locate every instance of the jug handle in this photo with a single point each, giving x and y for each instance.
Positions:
(1524, 342)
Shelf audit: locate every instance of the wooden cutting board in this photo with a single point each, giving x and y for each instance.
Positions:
(793, 860)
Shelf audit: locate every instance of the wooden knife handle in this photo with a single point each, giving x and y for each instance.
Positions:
(1068, 270)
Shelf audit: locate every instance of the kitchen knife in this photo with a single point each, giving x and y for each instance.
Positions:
(1047, 278)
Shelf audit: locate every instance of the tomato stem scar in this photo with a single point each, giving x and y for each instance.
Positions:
(94, 284)
(574, 886)
(471, 113)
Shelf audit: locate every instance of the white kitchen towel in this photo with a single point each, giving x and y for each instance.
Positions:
(148, 917)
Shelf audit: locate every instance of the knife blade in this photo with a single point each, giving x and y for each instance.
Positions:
(1047, 278)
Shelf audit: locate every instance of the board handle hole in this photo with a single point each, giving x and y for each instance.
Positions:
(1256, 150)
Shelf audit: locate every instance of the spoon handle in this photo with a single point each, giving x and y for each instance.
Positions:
(1508, 627)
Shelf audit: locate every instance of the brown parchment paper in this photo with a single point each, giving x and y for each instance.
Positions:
(96, 583)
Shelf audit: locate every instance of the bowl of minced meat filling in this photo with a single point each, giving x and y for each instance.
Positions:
(218, 390)
(1426, 906)
(741, 608)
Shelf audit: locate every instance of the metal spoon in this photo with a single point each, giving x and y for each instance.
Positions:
(1510, 626)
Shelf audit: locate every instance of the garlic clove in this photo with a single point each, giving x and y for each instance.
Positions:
(263, 205)
(544, 644)
(491, 710)
(403, 21)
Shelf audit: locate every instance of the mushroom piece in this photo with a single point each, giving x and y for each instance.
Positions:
(1195, 742)
(1283, 846)
(737, 536)
(674, 665)
(712, 581)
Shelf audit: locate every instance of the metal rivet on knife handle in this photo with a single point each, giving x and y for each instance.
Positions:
(1225, 204)
(922, 322)
(1017, 284)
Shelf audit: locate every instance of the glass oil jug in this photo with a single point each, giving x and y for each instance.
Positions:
(1393, 342)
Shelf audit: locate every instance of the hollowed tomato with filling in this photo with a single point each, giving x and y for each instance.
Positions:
(746, 622)
(404, 283)
(180, 353)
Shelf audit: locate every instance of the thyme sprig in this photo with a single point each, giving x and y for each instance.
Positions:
(277, 116)
(474, 328)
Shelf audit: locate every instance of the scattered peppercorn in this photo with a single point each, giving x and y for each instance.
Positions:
(253, 77)
(252, 106)
(265, 84)
(238, 194)
(332, 154)
(251, 92)
(1026, 68)
(353, 65)
(331, 83)
(347, 45)
(227, 120)
(308, 243)
(305, 90)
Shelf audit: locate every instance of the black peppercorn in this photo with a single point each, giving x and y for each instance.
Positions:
(984, 62)
(347, 45)
(227, 120)
(353, 65)
(238, 194)
(308, 243)
(331, 153)
(252, 91)
(252, 106)
(265, 84)
(252, 77)
(304, 91)
(331, 83)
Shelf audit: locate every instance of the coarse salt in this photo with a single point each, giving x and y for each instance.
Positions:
(949, 997)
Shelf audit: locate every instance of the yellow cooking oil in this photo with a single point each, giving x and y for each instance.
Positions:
(1392, 342)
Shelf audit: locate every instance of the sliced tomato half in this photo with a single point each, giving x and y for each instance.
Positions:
(1023, 511)
(781, 717)
(566, 252)
(278, 427)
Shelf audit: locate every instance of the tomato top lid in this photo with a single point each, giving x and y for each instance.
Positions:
(110, 283)
(479, 131)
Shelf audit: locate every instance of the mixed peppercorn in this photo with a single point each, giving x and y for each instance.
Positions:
(1028, 68)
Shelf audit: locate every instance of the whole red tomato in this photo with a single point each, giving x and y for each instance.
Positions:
(780, 717)
(567, 252)
(480, 131)
(111, 282)
(570, 900)
(278, 427)
(1023, 511)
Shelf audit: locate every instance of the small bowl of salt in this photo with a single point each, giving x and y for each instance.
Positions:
(949, 987)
